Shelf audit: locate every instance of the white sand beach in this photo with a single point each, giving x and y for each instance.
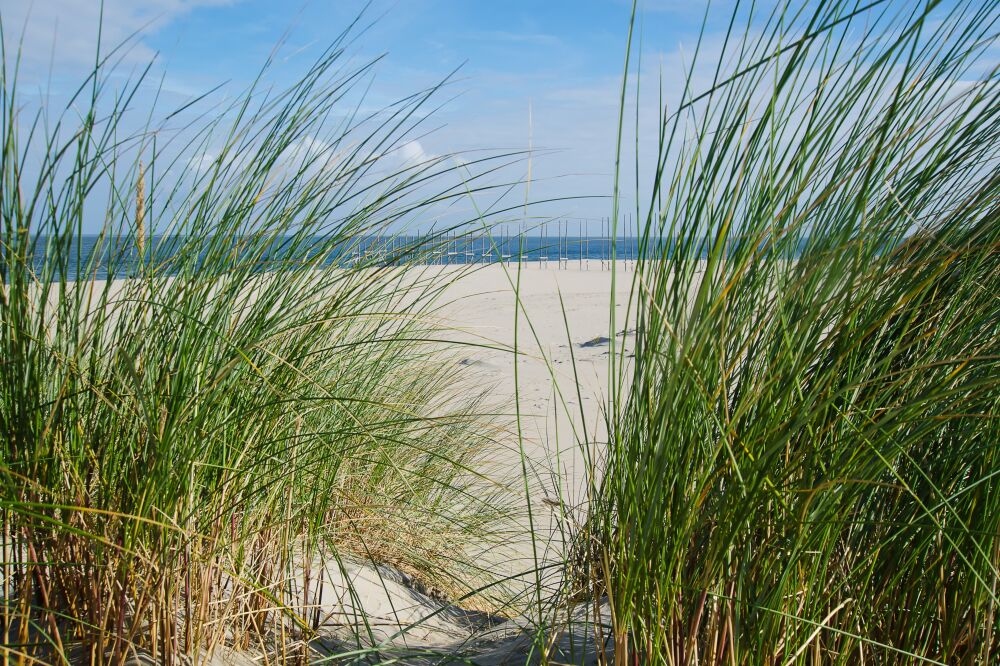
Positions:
(562, 370)
(560, 336)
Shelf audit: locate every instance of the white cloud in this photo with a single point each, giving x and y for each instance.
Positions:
(65, 32)
(307, 148)
(308, 154)
(202, 163)
(412, 153)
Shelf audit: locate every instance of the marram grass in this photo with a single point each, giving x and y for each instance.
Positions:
(802, 461)
(184, 434)
(804, 455)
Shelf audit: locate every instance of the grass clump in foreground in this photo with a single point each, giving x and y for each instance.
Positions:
(804, 469)
(192, 422)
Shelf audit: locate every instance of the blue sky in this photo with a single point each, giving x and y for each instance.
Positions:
(563, 58)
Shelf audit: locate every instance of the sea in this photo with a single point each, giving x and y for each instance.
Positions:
(95, 257)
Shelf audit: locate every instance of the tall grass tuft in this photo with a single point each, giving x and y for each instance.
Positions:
(805, 466)
(216, 394)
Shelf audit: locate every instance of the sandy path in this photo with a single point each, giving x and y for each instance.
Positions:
(554, 351)
(478, 310)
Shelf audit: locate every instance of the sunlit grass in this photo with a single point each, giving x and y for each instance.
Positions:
(230, 391)
(211, 402)
(804, 468)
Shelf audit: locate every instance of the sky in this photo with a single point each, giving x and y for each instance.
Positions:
(539, 73)
(522, 72)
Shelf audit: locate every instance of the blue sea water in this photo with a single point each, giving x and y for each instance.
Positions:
(95, 257)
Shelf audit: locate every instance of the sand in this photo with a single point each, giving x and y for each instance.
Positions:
(563, 345)
(561, 351)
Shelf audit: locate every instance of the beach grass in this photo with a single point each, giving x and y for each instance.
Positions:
(216, 409)
(216, 398)
(803, 453)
